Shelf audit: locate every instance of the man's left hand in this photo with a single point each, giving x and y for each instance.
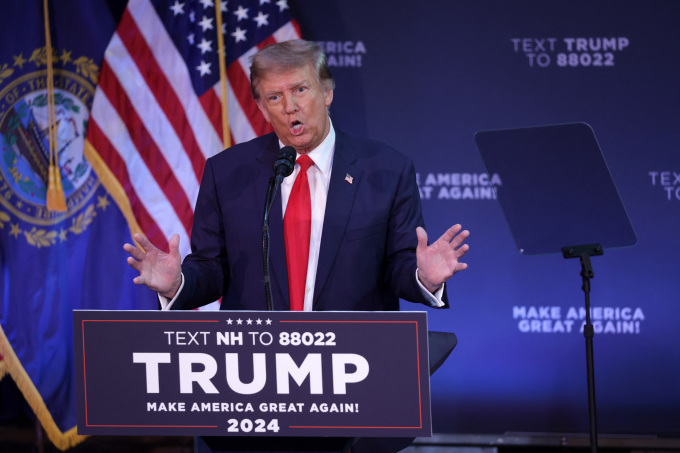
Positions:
(440, 260)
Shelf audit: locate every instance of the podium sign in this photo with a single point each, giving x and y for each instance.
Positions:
(240, 373)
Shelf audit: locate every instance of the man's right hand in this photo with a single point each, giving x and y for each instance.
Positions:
(160, 272)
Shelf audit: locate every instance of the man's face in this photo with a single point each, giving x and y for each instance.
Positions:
(296, 105)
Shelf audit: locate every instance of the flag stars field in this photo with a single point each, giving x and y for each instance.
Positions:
(177, 8)
(241, 13)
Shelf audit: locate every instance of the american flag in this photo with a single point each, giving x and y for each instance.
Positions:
(156, 115)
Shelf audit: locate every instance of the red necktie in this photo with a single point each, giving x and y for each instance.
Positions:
(296, 229)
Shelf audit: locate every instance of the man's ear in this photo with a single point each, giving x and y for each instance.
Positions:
(328, 98)
(264, 111)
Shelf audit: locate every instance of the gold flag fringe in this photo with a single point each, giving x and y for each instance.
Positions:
(10, 365)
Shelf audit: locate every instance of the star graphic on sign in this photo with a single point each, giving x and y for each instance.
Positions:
(206, 3)
(204, 68)
(15, 231)
(239, 321)
(261, 19)
(229, 321)
(239, 35)
(103, 202)
(259, 321)
(249, 321)
(205, 46)
(206, 23)
(241, 13)
(177, 8)
(269, 322)
(65, 57)
(282, 4)
(19, 60)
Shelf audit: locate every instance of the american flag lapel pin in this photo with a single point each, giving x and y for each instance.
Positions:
(348, 178)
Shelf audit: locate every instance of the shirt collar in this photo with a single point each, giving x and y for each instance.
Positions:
(322, 155)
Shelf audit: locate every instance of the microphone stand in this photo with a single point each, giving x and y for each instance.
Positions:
(285, 162)
(271, 194)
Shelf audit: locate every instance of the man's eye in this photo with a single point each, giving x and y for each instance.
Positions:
(273, 98)
(301, 89)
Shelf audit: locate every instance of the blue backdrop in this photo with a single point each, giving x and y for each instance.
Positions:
(424, 77)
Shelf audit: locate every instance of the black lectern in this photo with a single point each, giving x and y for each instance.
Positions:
(258, 381)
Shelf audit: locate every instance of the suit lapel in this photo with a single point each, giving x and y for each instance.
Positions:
(278, 273)
(341, 195)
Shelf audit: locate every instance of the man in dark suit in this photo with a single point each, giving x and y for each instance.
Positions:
(366, 246)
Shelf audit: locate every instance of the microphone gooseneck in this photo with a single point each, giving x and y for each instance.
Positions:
(283, 167)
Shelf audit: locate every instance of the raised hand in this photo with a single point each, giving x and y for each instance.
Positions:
(440, 260)
(159, 271)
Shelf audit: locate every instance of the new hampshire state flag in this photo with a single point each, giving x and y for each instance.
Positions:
(54, 262)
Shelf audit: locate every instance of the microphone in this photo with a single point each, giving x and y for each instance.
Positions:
(285, 162)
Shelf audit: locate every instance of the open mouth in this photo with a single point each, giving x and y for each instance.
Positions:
(296, 128)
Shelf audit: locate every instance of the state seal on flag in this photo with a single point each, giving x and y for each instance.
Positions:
(24, 147)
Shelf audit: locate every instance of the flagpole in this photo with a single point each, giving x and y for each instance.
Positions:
(55, 199)
(226, 136)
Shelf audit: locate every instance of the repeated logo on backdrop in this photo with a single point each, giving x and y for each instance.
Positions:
(457, 186)
(570, 52)
(667, 183)
(344, 54)
(559, 320)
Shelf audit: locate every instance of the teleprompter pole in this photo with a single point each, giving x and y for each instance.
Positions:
(584, 252)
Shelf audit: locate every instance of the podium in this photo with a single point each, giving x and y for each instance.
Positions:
(258, 381)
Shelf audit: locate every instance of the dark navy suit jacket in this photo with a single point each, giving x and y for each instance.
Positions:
(367, 258)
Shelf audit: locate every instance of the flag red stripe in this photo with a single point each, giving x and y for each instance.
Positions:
(241, 87)
(296, 26)
(117, 166)
(162, 90)
(213, 109)
(268, 40)
(147, 148)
